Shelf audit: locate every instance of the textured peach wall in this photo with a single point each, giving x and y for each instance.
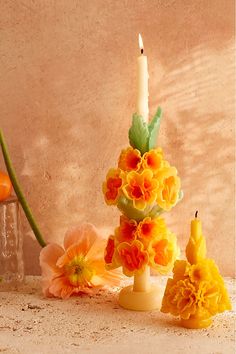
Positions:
(67, 94)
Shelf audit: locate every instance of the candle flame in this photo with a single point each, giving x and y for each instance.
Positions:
(140, 41)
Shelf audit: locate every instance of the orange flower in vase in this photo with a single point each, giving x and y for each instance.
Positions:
(112, 186)
(130, 159)
(132, 257)
(77, 268)
(141, 188)
(169, 187)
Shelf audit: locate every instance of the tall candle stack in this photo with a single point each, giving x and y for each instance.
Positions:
(142, 186)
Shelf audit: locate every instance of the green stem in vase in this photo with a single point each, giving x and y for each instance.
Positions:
(19, 193)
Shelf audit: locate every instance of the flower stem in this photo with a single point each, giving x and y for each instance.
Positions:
(19, 193)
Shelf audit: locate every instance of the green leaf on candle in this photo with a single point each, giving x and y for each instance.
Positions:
(139, 134)
(153, 128)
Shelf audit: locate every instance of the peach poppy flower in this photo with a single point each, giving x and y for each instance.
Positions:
(153, 159)
(130, 159)
(126, 231)
(149, 228)
(133, 257)
(112, 186)
(77, 268)
(163, 252)
(141, 188)
(169, 187)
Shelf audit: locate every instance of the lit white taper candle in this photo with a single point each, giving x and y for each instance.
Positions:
(142, 96)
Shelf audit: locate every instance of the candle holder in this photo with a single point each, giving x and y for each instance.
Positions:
(11, 243)
(142, 186)
(197, 291)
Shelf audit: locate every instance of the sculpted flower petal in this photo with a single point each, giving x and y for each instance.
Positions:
(141, 188)
(130, 159)
(126, 231)
(149, 229)
(163, 252)
(169, 187)
(110, 254)
(112, 186)
(132, 257)
(153, 160)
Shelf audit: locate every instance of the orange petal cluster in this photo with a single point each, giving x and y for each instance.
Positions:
(146, 180)
(142, 186)
(136, 244)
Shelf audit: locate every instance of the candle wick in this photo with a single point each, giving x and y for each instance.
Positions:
(196, 214)
(141, 50)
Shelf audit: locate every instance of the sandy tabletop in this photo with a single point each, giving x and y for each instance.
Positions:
(29, 323)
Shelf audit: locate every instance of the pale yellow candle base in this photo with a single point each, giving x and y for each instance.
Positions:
(196, 323)
(142, 295)
(141, 300)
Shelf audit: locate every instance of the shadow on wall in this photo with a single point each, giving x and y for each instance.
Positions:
(196, 95)
(74, 154)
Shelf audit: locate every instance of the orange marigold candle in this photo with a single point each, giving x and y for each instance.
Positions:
(197, 291)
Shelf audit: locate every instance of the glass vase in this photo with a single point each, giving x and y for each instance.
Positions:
(11, 245)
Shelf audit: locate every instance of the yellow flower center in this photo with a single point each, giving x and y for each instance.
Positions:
(79, 272)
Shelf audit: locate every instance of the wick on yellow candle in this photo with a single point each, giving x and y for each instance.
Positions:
(142, 96)
(196, 227)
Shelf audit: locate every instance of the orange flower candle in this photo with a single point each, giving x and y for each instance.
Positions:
(143, 186)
